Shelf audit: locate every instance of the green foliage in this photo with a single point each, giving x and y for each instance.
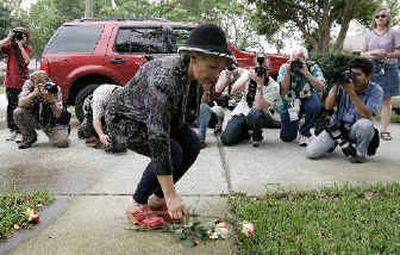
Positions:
(9, 12)
(332, 65)
(45, 16)
(314, 19)
(340, 220)
(13, 209)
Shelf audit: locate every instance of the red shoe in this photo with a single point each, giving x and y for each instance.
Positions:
(145, 218)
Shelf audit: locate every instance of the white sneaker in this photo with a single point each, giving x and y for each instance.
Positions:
(11, 136)
(303, 140)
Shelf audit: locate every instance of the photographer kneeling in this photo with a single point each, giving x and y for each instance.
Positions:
(40, 93)
(300, 80)
(357, 101)
(251, 113)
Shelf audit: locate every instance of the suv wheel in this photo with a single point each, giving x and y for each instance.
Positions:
(80, 99)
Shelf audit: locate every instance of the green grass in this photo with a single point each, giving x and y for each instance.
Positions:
(13, 207)
(347, 220)
(2, 90)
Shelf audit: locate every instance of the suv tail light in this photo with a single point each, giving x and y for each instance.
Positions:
(44, 65)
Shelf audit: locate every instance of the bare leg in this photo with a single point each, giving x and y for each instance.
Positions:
(385, 114)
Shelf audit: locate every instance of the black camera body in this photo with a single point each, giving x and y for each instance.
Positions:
(339, 133)
(261, 71)
(231, 67)
(50, 87)
(18, 35)
(296, 65)
(346, 77)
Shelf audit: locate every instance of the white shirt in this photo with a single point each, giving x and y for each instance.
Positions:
(271, 95)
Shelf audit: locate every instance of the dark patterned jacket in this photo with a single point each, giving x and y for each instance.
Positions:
(155, 104)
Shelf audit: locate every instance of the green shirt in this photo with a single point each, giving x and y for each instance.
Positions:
(299, 86)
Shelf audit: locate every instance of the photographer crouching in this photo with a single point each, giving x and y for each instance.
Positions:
(251, 113)
(18, 52)
(357, 101)
(39, 92)
(300, 82)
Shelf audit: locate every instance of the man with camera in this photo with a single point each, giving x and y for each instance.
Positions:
(39, 92)
(251, 113)
(15, 46)
(357, 101)
(300, 81)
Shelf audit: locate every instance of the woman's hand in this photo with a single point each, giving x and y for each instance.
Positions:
(105, 139)
(176, 206)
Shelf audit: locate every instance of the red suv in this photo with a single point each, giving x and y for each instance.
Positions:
(81, 55)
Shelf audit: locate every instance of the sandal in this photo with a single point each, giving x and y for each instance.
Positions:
(386, 136)
(144, 217)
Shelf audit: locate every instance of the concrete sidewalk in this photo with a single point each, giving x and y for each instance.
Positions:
(92, 189)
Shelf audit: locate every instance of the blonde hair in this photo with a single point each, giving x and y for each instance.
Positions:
(39, 75)
(388, 17)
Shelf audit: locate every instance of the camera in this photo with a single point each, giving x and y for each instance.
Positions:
(50, 87)
(346, 77)
(339, 133)
(296, 65)
(231, 67)
(261, 71)
(18, 35)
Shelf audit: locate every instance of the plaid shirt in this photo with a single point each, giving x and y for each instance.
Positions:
(156, 103)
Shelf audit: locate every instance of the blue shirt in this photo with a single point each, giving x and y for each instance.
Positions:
(372, 97)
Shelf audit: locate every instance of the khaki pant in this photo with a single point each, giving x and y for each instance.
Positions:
(26, 121)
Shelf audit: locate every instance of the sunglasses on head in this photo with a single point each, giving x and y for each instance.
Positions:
(380, 16)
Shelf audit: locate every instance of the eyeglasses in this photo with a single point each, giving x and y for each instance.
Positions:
(380, 16)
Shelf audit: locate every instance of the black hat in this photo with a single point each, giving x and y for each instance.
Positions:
(208, 39)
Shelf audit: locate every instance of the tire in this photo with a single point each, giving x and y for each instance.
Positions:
(80, 98)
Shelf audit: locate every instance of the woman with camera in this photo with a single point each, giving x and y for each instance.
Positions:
(18, 52)
(382, 44)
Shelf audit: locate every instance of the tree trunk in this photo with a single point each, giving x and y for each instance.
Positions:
(348, 15)
(325, 28)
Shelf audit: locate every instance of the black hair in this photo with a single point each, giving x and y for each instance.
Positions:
(364, 64)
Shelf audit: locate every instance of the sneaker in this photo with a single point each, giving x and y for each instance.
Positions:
(303, 140)
(11, 136)
(18, 138)
(357, 159)
(27, 143)
(256, 143)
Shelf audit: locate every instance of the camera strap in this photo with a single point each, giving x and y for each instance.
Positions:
(17, 53)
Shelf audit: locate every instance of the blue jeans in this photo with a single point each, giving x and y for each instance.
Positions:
(238, 127)
(361, 133)
(312, 108)
(203, 120)
(185, 148)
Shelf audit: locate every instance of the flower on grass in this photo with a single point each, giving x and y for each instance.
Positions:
(248, 229)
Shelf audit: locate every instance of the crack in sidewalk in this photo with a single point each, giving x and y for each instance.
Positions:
(225, 165)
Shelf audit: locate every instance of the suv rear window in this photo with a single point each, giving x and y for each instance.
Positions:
(143, 40)
(75, 39)
(150, 39)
